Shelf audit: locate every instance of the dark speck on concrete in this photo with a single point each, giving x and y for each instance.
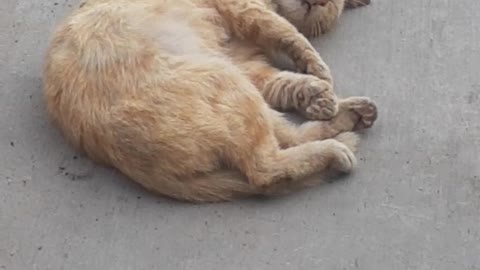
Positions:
(76, 176)
(473, 96)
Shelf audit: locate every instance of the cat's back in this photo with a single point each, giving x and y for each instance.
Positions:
(111, 54)
(118, 42)
(176, 27)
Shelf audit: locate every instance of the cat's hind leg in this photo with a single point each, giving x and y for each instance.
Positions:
(269, 165)
(224, 144)
(251, 144)
(279, 153)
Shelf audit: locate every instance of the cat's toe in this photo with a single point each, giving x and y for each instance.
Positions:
(322, 104)
(322, 109)
(344, 159)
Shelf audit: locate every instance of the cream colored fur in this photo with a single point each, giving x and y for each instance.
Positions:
(178, 94)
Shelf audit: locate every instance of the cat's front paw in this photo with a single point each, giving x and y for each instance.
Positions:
(316, 99)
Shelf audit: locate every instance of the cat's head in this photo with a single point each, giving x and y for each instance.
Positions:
(314, 17)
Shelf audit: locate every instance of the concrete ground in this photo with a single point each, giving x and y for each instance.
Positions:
(413, 202)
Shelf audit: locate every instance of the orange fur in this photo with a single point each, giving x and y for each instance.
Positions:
(175, 94)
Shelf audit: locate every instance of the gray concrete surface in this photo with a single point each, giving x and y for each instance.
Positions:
(413, 203)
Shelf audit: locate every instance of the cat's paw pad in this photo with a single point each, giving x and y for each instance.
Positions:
(322, 109)
(317, 100)
(366, 109)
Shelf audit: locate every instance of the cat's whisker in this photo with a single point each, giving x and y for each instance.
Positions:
(356, 3)
(318, 29)
(294, 11)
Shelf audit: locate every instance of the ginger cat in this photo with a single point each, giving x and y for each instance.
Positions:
(180, 97)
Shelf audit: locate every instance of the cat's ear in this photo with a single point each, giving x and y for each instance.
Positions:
(356, 3)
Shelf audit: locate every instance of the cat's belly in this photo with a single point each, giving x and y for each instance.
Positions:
(181, 31)
(177, 36)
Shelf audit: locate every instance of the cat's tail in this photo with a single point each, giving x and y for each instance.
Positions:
(220, 186)
(216, 186)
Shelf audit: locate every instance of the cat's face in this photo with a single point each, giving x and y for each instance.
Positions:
(311, 17)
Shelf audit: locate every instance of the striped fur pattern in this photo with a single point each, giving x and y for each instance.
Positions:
(179, 95)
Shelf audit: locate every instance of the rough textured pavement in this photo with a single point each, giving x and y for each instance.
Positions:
(413, 203)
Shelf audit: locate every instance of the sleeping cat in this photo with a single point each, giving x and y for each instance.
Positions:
(180, 96)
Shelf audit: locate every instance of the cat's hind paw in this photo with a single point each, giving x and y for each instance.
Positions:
(365, 108)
